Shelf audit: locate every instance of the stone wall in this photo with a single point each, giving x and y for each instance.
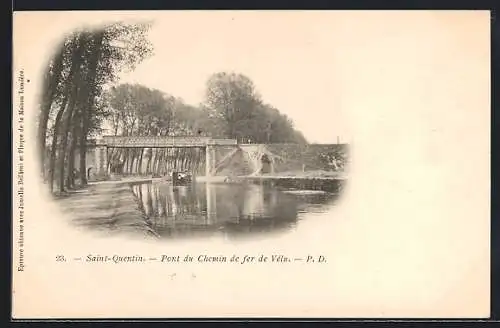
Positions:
(238, 164)
(91, 162)
(284, 158)
(223, 151)
(313, 157)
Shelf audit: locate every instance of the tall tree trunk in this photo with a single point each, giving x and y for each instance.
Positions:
(60, 114)
(75, 82)
(70, 182)
(92, 92)
(53, 152)
(63, 149)
(52, 79)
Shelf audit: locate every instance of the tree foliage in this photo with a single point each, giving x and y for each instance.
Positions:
(80, 97)
(140, 111)
(232, 109)
(232, 101)
(72, 103)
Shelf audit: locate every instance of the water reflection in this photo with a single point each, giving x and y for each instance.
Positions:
(230, 209)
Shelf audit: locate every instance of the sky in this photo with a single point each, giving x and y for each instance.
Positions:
(358, 75)
(293, 60)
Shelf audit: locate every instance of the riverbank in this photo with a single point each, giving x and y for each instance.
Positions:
(306, 181)
(333, 184)
(298, 175)
(108, 207)
(322, 175)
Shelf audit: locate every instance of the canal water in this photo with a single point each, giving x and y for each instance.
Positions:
(228, 209)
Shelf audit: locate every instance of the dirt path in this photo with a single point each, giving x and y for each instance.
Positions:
(106, 207)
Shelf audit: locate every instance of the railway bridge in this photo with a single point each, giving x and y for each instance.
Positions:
(209, 145)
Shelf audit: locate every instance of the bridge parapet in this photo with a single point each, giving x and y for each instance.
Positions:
(222, 142)
(161, 141)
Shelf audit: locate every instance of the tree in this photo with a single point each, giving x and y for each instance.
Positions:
(52, 78)
(232, 99)
(136, 110)
(234, 106)
(72, 92)
(91, 90)
(115, 48)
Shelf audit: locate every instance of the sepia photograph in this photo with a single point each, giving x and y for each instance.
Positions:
(230, 164)
(120, 152)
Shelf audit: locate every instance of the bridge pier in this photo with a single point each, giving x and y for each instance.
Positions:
(210, 160)
(211, 204)
(101, 157)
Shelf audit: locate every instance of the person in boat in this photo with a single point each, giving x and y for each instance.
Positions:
(181, 177)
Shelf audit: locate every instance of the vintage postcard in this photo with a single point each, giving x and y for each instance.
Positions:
(252, 164)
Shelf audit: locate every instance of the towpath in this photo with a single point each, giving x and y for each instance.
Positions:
(107, 206)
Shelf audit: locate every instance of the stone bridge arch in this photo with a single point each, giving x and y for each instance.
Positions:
(247, 159)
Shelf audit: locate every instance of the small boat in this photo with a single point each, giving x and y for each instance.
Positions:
(181, 178)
